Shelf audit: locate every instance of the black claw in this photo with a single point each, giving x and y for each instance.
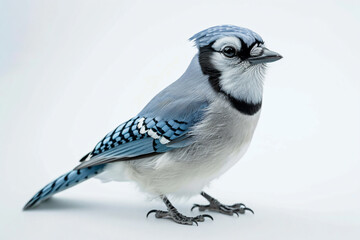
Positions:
(237, 205)
(151, 211)
(206, 215)
(195, 222)
(250, 210)
(236, 214)
(195, 205)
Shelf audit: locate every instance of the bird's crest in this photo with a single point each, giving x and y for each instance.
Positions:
(211, 34)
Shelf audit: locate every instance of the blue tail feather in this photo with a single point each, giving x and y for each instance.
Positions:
(63, 182)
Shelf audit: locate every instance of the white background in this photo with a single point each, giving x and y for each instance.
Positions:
(70, 71)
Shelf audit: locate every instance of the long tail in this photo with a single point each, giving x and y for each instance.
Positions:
(63, 182)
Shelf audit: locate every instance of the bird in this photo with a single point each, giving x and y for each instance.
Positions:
(191, 132)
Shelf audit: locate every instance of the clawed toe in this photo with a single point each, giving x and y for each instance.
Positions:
(208, 216)
(179, 218)
(151, 211)
(224, 209)
(216, 206)
(200, 207)
(237, 205)
(194, 206)
(248, 209)
(201, 218)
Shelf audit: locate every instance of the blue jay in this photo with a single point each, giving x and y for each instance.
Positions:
(191, 132)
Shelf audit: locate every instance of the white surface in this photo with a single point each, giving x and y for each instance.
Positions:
(70, 71)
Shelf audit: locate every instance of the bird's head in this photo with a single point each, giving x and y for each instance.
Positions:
(235, 59)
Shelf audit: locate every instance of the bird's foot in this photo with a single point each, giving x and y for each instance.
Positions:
(216, 206)
(236, 209)
(174, 215)
(178, 217)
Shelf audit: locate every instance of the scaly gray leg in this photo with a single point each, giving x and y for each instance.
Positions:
(216, 206)
(174, 215)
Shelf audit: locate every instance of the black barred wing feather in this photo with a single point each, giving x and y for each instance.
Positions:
(139, 137)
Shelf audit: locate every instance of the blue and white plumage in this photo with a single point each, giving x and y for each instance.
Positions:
(189, 133)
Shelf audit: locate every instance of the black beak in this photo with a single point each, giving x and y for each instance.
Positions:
(266, 57)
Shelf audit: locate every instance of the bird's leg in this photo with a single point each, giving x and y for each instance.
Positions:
(173, 214)
(216, 206)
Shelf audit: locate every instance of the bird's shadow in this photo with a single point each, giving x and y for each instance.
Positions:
(64, 204)
(108, 208)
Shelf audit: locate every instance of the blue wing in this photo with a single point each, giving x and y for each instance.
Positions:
(164, 124)
(143, 136)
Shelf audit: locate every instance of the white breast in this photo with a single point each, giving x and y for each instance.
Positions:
(221, 140)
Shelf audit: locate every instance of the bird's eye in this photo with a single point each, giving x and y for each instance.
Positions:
(229, 51)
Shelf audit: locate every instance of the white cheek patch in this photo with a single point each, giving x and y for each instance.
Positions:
(227, 41)
(238, 78)
(241, 80)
